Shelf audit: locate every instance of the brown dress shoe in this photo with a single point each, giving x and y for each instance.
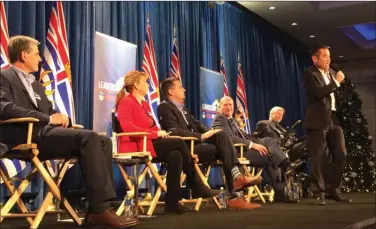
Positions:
(241, 203)
(244, 181)
(109, 219)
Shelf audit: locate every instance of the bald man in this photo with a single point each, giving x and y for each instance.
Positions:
(261, 153)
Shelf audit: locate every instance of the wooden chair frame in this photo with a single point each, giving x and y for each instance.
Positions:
(29, 152)
(146, 158)
(253, 191)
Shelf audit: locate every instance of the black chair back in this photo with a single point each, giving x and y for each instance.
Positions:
(115, 123)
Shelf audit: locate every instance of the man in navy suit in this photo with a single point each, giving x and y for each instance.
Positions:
(22, 96)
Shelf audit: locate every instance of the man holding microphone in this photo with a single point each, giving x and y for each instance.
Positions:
(324, 132)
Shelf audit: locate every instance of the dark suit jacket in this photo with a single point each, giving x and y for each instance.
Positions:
(222, 122)
(318, 111)
(171, 119)
(16, 103)
(267, 128)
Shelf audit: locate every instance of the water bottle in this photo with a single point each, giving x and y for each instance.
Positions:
(129, 204)
(222, 198)
(295, 191)
(287, 192)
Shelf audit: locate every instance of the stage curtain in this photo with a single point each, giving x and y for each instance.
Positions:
(272, 63)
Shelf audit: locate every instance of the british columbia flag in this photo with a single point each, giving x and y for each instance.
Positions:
(241, 100)
(4, 36)
(11, 167)
(149, 65)
(175, 61)
(222, 70)
(56, 71)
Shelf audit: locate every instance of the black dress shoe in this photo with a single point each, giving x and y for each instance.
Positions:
(203, 191)
(321, 200)
(108, 219)
(176, 208)
(338, 198)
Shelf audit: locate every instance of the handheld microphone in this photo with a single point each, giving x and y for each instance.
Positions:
(296, 123)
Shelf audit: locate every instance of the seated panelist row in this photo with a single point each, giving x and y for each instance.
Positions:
(134, 114)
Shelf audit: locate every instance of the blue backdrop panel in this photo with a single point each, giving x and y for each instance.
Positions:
(211, 91)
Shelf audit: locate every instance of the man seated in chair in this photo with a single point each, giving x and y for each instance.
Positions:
(174, 117)
(271, 128)
(22, 96)
(264, 152)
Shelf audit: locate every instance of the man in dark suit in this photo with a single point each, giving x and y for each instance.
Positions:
(272, 128)
(174, 117)
(23, 96)
(323, 128)
(264, 152)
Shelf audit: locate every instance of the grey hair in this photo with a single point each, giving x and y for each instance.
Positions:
(275, 109)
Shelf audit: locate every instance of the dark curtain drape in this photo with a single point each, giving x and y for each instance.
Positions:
(272, 61)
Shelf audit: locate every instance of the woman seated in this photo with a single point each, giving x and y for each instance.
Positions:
(134, 115)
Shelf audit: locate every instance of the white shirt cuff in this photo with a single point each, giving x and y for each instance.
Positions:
(250, 145)
(335, 81)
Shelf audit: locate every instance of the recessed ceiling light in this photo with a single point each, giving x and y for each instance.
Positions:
(312, 36)
(294, 24)
(271, 8)
(341, 56)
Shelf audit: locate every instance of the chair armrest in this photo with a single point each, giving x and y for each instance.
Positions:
(239, 145)
(185, 138)
(77, 126)
(23, 147)
(19, 120)
(132, 134)
(28, 120)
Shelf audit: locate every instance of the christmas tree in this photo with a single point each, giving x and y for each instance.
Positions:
(360, 171)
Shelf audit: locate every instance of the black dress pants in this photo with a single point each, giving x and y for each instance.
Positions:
(327, 176)
(175, 153)
(94, 153)
(219, 146)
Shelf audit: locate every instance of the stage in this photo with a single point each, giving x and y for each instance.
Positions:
(305, 215)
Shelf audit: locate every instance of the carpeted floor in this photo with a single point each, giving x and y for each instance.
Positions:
(305, 214)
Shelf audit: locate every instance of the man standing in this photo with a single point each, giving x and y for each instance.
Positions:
(272, 128)
(22, 96)
(261, 153)
(174, 117)
(323, 128)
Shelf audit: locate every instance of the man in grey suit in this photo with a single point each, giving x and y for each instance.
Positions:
(263, 152)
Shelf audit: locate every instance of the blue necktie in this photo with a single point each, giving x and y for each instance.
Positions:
(232, 121)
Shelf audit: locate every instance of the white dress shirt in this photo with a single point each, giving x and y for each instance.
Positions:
(327, 81)
(27, 80)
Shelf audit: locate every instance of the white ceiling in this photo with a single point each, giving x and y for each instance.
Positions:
(322, 19)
